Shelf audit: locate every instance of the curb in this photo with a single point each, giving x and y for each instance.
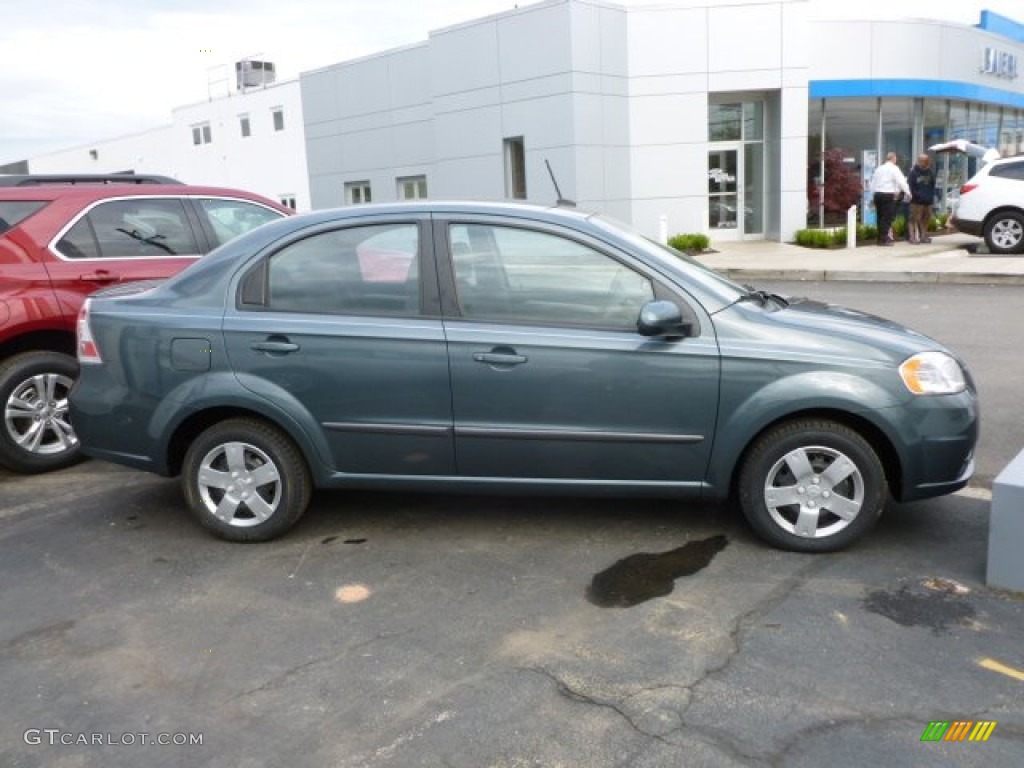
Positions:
(853, 276)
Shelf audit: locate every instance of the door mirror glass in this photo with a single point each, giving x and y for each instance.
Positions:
(662, 318)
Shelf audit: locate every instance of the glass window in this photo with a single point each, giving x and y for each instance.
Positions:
(753, 121)
(1009, 171)
(231, 218)
(360, 270)
(197, 135)
(898, 130)
(288, 201)
(243, 124)
(278, 113)
(357, 192)
(516, 275)
(722, 189)
(13, 212)
(131, 229)
(412, 187)
(725, 122)
(753, 183)
(515, 168)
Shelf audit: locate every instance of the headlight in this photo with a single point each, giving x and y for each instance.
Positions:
(932, 373)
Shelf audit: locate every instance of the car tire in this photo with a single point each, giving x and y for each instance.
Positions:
(1004, 232)
(245, 480)
(794, 502)
(35, 430)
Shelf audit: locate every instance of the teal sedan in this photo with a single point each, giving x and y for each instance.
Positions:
(499, 347)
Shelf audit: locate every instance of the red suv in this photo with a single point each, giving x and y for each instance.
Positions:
(62, 237)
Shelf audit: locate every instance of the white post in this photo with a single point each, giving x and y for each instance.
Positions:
(663, 229)
(851, 227)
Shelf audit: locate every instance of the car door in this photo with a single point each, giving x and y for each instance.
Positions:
(550, 378)
(120, 240)
(342, 325)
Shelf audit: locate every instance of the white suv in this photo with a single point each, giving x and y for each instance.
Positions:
(992, 205)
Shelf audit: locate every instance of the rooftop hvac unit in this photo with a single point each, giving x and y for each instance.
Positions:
(250, 74)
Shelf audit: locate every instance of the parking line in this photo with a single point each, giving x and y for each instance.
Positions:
(1002, 669)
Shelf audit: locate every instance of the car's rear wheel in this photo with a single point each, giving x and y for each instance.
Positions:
(36, 433)
(812, 486)
(245, 480)
(1004, 232)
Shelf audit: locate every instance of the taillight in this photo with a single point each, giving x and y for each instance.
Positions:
(88, 352)
(967, 188)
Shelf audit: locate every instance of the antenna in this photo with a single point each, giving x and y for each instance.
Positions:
(561, 200)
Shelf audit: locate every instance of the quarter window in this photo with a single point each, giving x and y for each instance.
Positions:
(1008, 171)
(131, 229)
(505, 274)
(231, 218)
(370, 270)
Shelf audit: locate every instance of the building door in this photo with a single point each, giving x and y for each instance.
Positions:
(736, 171)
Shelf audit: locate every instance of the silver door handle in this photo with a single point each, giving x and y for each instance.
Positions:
(499, 358)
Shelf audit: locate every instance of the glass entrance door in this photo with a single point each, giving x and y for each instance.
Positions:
(724, 190)
(736, 170)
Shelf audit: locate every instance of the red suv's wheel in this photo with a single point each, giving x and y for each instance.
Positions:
(35, 433)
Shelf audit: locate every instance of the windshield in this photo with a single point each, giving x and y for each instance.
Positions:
(665, 253)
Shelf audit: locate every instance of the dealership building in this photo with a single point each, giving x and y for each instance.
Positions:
(697, 117)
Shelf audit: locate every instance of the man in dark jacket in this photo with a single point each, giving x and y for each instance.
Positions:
(922, 198)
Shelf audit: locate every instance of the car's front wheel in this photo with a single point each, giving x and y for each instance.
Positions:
(812, 486)
(245, 480)
(1004, 232)
(36, 434)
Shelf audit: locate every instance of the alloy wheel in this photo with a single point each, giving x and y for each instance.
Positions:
(36, 415)
(239, 484)
(814, 492)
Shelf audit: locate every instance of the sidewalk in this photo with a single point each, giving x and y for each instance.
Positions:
(944, 260)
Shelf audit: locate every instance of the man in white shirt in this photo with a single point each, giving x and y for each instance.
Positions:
(888, 187)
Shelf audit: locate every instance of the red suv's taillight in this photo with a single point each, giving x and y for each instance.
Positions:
(88, 352)
(967, 188)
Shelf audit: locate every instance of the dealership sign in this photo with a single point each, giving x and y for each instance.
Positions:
(999, 63)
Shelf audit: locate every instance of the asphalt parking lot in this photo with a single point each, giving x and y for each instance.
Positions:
(417, 630)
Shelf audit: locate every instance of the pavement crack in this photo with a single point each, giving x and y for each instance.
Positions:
(567, 691)
(754, 614)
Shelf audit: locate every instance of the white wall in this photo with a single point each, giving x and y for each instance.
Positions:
(268, 162)
(271, 163)
(681, 53)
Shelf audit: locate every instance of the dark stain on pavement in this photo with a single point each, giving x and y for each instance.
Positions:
(644, 576)
(936, 610)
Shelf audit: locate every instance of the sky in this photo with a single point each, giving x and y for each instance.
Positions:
(76, 71)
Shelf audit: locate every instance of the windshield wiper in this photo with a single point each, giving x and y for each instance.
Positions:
(762, 297)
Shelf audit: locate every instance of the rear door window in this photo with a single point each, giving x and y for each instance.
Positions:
(362, 270)
(133, 228)
(228, 219)
(13, 212)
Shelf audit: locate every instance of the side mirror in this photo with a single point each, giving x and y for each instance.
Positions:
(662, 318)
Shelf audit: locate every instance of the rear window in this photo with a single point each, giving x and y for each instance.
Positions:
(13, 212)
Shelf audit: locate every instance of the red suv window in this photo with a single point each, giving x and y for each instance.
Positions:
(136, 227)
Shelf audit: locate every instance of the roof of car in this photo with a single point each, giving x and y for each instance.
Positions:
(101, 191)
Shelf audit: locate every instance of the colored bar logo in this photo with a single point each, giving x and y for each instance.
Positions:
(958, 730)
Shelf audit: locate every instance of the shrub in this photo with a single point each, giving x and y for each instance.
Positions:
(866, 232)
(692, 242)
(839, 237)
(842, 183)
(814, 238)
(938, 223)
(899, 227)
